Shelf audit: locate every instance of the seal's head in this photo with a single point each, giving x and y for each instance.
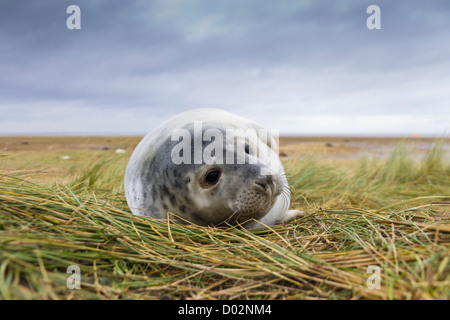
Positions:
(212, 180)
(211, 194)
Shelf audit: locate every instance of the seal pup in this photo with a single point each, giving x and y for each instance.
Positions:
(209, 167)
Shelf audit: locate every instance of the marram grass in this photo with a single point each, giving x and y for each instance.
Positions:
(391, 214)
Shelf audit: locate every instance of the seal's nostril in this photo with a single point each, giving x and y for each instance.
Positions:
(263, 182)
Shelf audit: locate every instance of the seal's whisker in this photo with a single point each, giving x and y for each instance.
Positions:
(231, 216)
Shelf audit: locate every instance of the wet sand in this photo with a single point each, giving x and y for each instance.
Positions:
(328, 147)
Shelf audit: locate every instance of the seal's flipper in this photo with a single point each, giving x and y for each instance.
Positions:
(291, 214)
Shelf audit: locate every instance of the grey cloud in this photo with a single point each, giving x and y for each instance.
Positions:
(161, 57)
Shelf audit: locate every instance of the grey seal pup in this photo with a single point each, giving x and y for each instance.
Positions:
(209, 167)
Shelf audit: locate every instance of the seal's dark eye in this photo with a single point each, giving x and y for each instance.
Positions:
(212, 177)
(247, 149)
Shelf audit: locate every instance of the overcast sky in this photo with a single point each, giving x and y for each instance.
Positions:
(303, 67)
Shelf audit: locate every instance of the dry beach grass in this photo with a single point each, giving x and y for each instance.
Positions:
(386, 209)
